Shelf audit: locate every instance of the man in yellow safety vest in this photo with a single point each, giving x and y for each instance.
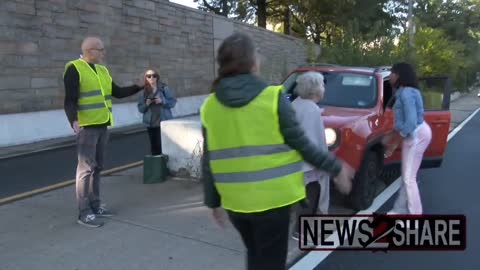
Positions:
(88, 105)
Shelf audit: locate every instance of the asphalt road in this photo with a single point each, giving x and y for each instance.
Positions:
(37, 170)
(453, 188)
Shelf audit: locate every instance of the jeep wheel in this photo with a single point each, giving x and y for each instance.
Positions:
(365, 182)
(390, 173)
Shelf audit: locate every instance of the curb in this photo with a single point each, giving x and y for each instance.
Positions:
(57, 143)
(60, 142)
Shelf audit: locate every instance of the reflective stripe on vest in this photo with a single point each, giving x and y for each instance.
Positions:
(92, 106)
(94, 93)
(254, 170)
(95, 100)
(243, 177)
(247, 151)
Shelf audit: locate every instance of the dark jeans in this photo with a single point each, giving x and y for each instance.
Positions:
(91, 144)
(265, 236)
(154, 134)
(311, 205)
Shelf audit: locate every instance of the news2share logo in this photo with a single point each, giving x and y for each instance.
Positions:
(383, 232)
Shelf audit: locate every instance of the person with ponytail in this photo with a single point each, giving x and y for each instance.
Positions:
(253, 154)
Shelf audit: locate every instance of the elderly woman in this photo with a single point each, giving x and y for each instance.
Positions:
(310, 89)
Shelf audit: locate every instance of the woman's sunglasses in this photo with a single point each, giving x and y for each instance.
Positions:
(149, 76)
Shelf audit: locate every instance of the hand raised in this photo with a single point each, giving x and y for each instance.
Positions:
(140, 81)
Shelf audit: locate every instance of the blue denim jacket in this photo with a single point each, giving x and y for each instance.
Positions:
(408, 110)
(157, 111)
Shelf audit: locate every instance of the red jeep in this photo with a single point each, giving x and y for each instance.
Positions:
(357, 115)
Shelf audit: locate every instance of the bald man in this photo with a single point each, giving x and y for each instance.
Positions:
(88, 105)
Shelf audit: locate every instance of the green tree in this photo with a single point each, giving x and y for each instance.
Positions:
(460, 21)
(435, 53)
(355, 50)
(219, 7)
(324, 21)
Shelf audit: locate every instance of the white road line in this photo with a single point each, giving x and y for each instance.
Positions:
(133, 131)
(313, 259)
(459, 127)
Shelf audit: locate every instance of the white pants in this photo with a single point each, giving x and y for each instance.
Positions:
(413, 148)
(324, 180)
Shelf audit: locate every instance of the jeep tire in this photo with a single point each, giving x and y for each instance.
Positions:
(365, 182)
(390, 173)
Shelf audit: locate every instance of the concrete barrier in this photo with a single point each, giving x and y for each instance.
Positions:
(182, 141)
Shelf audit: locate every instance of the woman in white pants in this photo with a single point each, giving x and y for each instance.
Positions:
(413, 132)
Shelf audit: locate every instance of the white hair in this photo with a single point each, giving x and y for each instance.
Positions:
(310, 84)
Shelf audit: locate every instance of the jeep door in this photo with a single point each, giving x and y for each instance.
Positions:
(436, 102)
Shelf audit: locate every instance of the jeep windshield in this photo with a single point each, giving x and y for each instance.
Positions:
(342, 89)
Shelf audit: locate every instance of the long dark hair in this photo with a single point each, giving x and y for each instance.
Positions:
(148, 87)
(406, 75)
(236, 55)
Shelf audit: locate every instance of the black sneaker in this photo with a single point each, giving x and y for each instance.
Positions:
(89, 221)
(103, 212)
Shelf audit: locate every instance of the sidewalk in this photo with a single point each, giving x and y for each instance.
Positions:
(160, 226)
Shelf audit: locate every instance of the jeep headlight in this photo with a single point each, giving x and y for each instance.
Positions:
(330, 136)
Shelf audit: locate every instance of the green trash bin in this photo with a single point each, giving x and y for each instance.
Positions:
(155, 169)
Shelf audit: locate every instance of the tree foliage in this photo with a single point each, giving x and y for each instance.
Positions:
(219, 7)
(374, 32)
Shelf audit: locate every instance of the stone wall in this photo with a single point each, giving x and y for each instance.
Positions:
(37, 38)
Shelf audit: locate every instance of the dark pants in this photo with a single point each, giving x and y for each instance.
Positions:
(311, 205)
(265, 236)
(154, 134)
(91, 144)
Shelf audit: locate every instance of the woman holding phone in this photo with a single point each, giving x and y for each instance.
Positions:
(155, 103)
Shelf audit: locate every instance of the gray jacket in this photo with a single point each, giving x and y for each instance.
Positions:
(155, 113)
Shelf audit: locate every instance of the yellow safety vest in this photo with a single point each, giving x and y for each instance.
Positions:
(95, 97)
(253, 169)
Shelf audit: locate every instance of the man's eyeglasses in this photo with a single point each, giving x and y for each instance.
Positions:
(151, 76)
(100, 50)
